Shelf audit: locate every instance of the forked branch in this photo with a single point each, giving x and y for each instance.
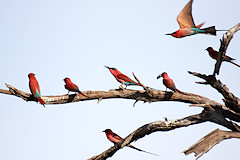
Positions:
(150, 128)
(206, 115)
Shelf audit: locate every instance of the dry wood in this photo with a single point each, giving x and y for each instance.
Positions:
(223, 47)
(230, 100)
(209, 141)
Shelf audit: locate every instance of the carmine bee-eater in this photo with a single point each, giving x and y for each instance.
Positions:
(113, 137)
(34, 88)
(214, 54)
(187, 26)
(70, 86)
(121, 78)
(168, 82)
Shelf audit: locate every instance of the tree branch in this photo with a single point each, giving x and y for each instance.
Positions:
(206, 115)
(137, 95)
(150, 128)
(223, 47)
(209, 141)
(230, 100)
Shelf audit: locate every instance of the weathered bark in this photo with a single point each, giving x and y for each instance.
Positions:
(223, 47)
(209, 141)
(150, 128)
(206, 115)
(230, 100)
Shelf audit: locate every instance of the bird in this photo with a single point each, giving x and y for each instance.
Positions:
(187, 26)
(114, 138)
(214, 54)
(34, 88)
(70, 86)
(121, 78)
(168, 82)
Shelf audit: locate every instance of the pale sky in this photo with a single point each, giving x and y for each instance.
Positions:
(75, 38)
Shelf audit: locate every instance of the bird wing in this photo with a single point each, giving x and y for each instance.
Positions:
(185, 18)
(125, 78)
(34, 88)
(117, 137)
(213, 54)
(169, 83)
(72, 87)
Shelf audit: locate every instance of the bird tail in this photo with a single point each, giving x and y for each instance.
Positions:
(41, 101)
(200, 25)
(178, 90)
(210, 30)
(82, 94)
(234, 63)
(142, 150)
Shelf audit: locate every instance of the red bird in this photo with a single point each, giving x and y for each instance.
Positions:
(34, 88)
(70, 86)
(121, 78)
(214, 54)
(168, 82)
(187, 26)
(113, 137)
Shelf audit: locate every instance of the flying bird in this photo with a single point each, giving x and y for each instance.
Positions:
(70, 86)
(121, 78)
(168, 82)
(187, 26)
(113, 137)
(214, 54)
(34, 88)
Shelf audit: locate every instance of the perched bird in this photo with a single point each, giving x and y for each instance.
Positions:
(34, 88)
(187, 26)
(113, 137)
(70, 86)
(168, 82)
(214, 54)
(121, 78)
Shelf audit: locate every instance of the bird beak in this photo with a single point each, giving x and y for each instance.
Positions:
(107, 67)
(159, 76)
(168, 34)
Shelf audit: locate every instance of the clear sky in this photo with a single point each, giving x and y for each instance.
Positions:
(75, 38)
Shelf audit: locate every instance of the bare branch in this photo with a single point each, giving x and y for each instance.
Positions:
(150, 128)
(206, 115)
(230, 100)
(209, 141)
(144, 87)
(224, 44)
(213, 111)
(139, 95)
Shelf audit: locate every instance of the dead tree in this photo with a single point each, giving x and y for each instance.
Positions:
(223, 114)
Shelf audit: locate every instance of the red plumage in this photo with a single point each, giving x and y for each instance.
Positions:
(70, 86)
(168, 82)
(121, 78)
(113, 137)
(34, 88)
(41, 101)
(187, 25)
(214, 54)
